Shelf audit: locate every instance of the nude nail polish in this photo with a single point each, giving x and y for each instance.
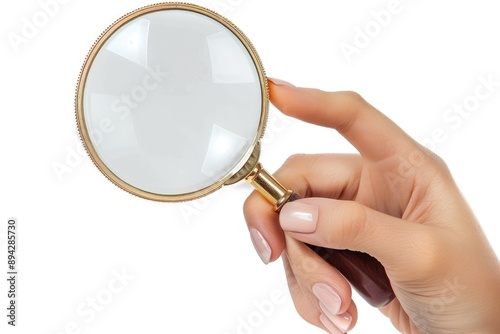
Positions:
(299, 217)
(261, 245)
(341, 321)
(279, 82)
(330, 325)
(328, 297)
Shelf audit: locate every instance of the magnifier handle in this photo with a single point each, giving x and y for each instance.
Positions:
(365, 273)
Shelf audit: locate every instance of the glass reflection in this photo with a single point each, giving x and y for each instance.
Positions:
(224, 147)
(132, 42)
(229, 63)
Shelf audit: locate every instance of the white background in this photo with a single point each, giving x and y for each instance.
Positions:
(193, 266)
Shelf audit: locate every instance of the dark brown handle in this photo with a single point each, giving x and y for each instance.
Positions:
(365, 273)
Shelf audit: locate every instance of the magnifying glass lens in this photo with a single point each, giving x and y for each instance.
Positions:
(173, 102)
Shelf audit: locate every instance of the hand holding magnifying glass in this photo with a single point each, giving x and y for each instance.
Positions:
(395, 200)
(184, 99)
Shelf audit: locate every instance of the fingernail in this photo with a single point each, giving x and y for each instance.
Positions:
(328, 297)
(261, 245)
(299, 217)
(342, 321)
(329, 325)
(279, 82)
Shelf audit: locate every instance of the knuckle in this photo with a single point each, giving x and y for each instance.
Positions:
(291, 174)
(294, 161)
(347, 104)
(351, 225)
(430, 258)
(432, 161)
(440, 164)
(355, 97)
(356, 101)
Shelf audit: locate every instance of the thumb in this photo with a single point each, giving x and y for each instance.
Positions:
(337, 224)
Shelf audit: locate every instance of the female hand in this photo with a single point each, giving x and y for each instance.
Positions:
(396, 201)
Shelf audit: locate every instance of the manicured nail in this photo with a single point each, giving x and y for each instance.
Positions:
(279, 82)
(261, 245)
(342, 321)
(329, 325)
(328, 297)
(299, 217)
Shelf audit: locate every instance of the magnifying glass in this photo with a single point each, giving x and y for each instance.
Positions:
(171, 104)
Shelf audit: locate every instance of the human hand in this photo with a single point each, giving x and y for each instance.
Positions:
(396, 201)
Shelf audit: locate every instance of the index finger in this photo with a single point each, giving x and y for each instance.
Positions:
(374, 135)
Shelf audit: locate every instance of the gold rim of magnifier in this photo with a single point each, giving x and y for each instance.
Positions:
(240, 172)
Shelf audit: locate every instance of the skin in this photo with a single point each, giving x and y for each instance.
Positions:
(396, 201)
